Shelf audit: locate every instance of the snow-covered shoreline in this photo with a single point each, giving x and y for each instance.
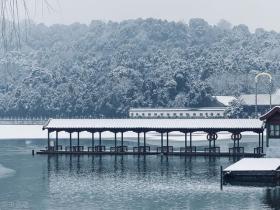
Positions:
(10, 132)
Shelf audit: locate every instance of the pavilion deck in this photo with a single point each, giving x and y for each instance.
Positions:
(152, 152)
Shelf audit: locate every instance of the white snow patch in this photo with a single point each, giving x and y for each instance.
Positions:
(5, 172)
(255, 164)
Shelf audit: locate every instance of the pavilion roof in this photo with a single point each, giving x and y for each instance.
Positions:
(270, 113)
(155, 124)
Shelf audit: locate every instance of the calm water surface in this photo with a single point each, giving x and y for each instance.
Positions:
(121, 182)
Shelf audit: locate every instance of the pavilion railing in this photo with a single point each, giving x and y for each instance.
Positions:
(165, 149)
(236, 150)
(119, 149)
(212, 150)
(100, 148)
(141, 149)
(258, 150)
(188, 149)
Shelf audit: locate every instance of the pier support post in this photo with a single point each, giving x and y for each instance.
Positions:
(167, 142)
(144, 142)
(161, 142)
(190, 139)
(186, 140)
(71, 142)
(78, 138)
(56, 141)
(138, 140)
(92, 140)
(99, 138)
(115, 141)
(122, 141)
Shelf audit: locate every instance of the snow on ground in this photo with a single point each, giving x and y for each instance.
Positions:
(36, 132)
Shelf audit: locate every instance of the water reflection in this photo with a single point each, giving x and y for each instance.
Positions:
(193, 183)
(272, 197)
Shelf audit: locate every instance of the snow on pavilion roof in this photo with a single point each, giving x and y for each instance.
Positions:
(156, 124)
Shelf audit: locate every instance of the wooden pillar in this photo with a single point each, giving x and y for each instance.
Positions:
(190, 139)
(78, 138)
(115, 141)
(122, 141)
(167, 142)
(161, 143)
(99, 138)
(138, 140)
(48, 140)
(262, 141)
(186, 139)
(267, 135)
(92, 140)
(144, 142)
(56, 141)
(70, 141)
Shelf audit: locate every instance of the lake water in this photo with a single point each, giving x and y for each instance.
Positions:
(122, 182)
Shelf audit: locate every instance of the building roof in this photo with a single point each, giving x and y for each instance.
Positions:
(225, 100)
(255, 164)
(155, 124)
(263, 99)
(270, 113)
(178, 109)
(250, 99)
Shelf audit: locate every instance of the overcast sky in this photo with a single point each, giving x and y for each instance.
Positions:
(254, 13)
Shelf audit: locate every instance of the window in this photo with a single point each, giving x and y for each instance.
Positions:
(218, 114)
(155, 114)
(187, 114)
(181, 114)
(136, 114)
(161, 114)
(201, 114)
(272, 130)
(211, 114)
(149, 114)
(174, 114)
(194, 114)
(143, 114)
(277, 130)
(131, 114)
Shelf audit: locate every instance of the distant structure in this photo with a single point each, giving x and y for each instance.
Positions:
(204, 112)
(250, 102)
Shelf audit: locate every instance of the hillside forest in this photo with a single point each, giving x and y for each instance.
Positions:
(104, 68)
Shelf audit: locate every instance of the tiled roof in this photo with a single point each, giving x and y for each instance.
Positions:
(157, 124)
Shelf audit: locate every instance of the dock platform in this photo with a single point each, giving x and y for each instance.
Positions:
(130, 152)
(254, 169)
